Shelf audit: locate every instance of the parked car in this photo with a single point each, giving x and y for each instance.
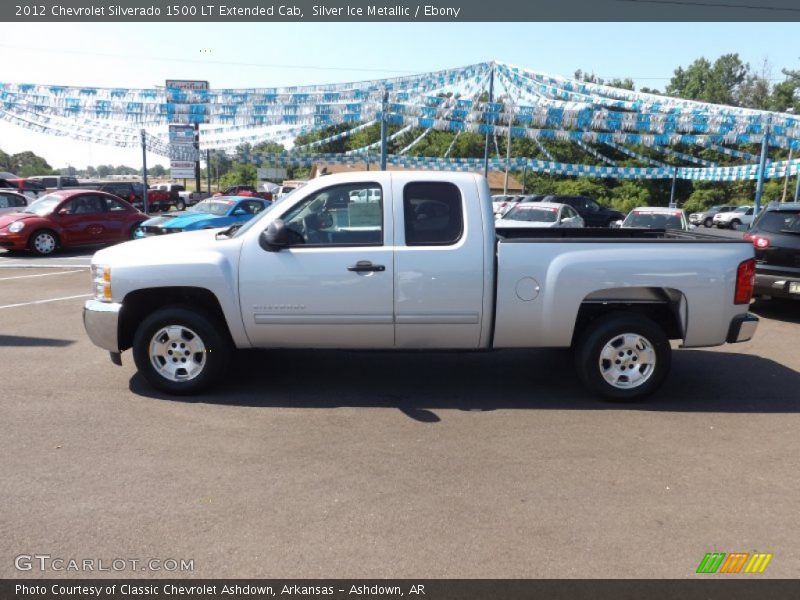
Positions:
(656, 217)
(69, 218)
(244, 190)
(30, 189)
(55, 182)
(421, 269)
(706, 217)
(775, 234)
(11, 202)
(741, 215)
(220, 211)
(173, 194)
(539, 214)
(288, 187)
(503, 203)
(593, 214)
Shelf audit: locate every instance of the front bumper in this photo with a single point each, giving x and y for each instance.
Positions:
(101, 321)
(13, 241)
(775, 285)
(743, 328)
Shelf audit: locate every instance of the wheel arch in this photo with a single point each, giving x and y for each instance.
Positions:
(667, 307)
(139, 303)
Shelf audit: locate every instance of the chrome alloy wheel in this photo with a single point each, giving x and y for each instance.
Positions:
(44, 243)
(177, 353)
(627, 361)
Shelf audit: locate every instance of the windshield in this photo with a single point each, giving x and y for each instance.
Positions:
(216, 207)
(44, 205)
(649, 220)
(260, 216)
(777, 221)
(532, 213)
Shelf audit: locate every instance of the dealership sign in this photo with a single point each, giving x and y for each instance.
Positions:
(181, 169)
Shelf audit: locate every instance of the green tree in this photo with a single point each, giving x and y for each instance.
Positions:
(239, 174)
(718, 82)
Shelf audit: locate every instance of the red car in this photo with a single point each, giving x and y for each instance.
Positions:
(69, 218)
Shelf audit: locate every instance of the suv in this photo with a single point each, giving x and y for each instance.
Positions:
(776, 237)
(706, 217)
(591, 212)
(56, 182)
(733, 219)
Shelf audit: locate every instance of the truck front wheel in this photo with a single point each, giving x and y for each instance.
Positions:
(623, 357)
(181, 351)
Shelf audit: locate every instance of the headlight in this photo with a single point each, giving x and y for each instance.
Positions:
(101, 279)
(16, 226)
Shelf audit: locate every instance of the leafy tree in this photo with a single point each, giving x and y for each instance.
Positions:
(239, 174)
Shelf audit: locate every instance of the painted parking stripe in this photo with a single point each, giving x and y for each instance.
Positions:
(45, 301)
(4, 265)
(41, 275)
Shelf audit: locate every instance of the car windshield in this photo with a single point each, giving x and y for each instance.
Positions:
(217, 207)
(778, 221)
(649, 220)
(44, 205)
(532, 213)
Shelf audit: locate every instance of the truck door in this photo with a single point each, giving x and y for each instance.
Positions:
(439, 265)
(333, 287)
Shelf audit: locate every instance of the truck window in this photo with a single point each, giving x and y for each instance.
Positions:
(330, 217)
(433, 214)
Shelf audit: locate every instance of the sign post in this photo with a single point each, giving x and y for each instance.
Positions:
(190, 98)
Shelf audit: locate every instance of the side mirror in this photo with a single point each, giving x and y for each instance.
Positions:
(277, 236)
(616, 224)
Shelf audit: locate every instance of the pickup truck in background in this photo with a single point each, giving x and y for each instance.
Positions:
(418, 265)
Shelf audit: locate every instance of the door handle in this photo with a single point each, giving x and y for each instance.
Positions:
(365, 265)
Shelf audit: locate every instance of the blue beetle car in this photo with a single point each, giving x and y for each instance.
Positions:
(219, 211)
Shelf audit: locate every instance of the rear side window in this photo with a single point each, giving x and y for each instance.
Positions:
(777, 221)
(433, 214)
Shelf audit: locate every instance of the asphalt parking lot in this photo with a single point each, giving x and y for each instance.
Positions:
(345, 464)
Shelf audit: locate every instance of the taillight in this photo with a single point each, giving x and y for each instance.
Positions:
(745, 281)
(759, 242)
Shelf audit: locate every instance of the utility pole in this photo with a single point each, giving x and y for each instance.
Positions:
(508, 150)
(144, 170)
(384, 144)
(672, 203)
(208, 170)
(486, 146)
(197, 162)
(762, 163)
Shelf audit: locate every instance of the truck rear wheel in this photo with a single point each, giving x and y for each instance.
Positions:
(623, 357)
(181, 351)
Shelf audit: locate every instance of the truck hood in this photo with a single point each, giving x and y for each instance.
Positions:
(158, 249)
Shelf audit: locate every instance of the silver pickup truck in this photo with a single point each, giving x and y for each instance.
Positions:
(411, 260)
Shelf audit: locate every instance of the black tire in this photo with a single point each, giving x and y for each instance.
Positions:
(133, 231)
(180, 205)
(608, 330)
(43, 242)
(735, 223)
(708, 222)
(212, 357)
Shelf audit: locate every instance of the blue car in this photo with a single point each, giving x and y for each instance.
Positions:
(219, 211)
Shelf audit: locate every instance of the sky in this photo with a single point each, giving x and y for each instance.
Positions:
(235, 55)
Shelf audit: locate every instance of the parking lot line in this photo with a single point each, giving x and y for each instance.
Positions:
(45, 301)
(41, 275)
(42, 266)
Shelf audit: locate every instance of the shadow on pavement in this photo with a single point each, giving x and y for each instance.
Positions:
(417, 383)
(780, 309)
(25, 341)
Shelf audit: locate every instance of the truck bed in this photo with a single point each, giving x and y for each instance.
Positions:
(600, 234)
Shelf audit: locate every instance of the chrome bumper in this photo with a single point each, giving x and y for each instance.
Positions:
(100, 319)
(743, 328)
